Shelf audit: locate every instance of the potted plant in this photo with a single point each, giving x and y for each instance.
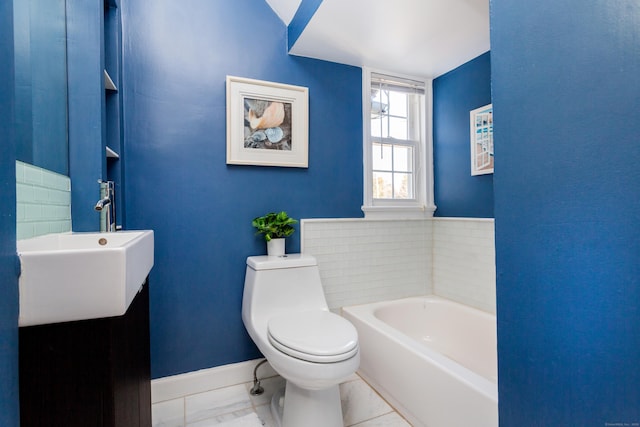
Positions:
(275, 227)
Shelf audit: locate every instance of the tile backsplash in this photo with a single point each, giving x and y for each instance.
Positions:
(364, 261)
(43, 201)
(464, 267)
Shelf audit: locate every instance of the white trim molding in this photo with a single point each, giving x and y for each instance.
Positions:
(398, 212)
(177, 386)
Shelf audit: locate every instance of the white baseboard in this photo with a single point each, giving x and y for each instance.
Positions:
(177, 386)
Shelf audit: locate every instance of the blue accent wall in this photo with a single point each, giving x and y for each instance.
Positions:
(455, 94)
(175, 61)
(566, 97)
(85, 63)
(41, 88)
(303, 15)
(9, 407)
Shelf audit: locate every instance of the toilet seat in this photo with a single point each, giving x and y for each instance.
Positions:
(315, 336)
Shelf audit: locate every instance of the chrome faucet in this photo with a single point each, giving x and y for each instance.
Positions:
(108, 190)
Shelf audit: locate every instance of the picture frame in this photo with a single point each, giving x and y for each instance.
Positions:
(267, 123)
(481, 127)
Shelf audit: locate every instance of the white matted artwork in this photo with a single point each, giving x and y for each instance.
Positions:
(267, 123)
(481, 121)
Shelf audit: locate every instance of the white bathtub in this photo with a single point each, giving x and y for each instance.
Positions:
(433, 359)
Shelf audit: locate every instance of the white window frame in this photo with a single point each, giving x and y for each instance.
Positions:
(423, 205)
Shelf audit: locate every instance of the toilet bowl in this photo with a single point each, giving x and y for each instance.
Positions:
(286, 315)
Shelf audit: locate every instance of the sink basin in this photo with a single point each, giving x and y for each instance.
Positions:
(77, 276)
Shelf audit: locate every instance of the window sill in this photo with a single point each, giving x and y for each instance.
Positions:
(398, 212)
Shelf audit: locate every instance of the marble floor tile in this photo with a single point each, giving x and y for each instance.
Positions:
(217, 402)
(249, 419)
(222, 419)
(168, 414)
(389, 420)
(360, 402)
(234, 407)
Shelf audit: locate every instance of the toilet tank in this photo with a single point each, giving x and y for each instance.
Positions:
(275, 285)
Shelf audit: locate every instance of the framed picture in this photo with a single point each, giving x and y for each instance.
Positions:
(481, 120)
(267, 123)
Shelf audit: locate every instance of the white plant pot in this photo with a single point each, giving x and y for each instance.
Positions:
(275, 247)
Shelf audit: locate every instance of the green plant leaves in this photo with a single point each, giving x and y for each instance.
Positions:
(274, 225)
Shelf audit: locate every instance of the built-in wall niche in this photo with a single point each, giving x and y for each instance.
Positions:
(41, 84)
(112, 74)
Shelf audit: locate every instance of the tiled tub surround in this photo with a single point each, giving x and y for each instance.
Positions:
(43, 201)
(220, 397)
(363, 261)
(464, 268)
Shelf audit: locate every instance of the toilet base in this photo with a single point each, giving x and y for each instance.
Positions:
(277, 404)
(308, 408)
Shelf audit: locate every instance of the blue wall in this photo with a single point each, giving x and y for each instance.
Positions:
(306, 10)
(176, 58)
(455, 94)
(85, 63)
(566, 96)
(9, 408)
(41, 75)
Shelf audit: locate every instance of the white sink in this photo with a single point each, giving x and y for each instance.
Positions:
(77, 276)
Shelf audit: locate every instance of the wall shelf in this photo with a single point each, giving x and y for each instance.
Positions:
(112, 154)
(113, 119)
(108, 82)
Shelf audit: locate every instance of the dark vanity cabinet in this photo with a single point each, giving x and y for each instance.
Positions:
(88, 373)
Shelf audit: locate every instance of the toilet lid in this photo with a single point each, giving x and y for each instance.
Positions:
(315, 336)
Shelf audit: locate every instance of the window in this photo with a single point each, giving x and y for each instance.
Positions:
(397, 151)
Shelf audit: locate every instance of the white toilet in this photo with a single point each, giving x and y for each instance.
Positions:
(286, 315)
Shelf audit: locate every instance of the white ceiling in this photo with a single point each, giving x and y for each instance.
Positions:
(414, 37)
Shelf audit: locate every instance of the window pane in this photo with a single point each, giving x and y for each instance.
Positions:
(379, 127)
(403, 186)
(382, 159)
(398, 128)
(382, 185)
(402, 158)
(379, 101)
(398, 104)
(375, 126)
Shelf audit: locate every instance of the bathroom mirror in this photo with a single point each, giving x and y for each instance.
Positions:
(41, 83)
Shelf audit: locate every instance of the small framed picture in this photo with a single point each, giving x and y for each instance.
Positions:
(481, 121)
(267, 123)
